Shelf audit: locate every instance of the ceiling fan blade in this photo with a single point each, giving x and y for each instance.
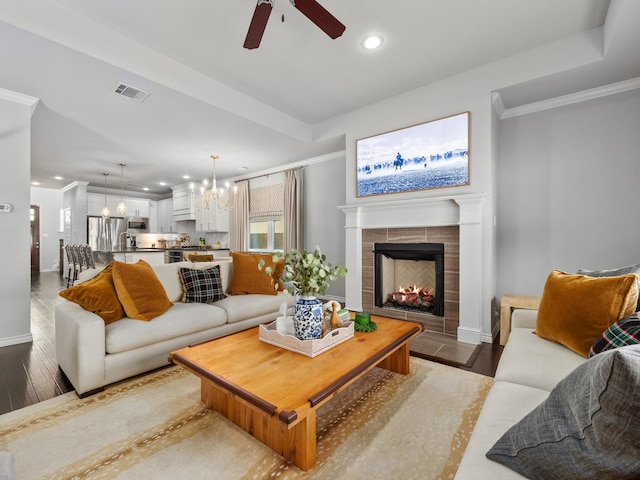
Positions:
(320, 16)
(258, 23)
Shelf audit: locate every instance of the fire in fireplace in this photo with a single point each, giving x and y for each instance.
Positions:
(415, 297)
(410, 276)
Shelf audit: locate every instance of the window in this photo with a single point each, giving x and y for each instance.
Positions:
(266, 235)
(266, 218)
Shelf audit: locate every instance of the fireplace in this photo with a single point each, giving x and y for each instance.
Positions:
(409, 277)
(457, 221)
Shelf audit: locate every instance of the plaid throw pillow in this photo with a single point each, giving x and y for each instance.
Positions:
(625, 331)
(201, 286)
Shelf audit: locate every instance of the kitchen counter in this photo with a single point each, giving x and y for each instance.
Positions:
(162, 249)
(156, 255)
(137, 250)
(153, 256)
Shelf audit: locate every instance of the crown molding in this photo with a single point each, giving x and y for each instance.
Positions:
(75, 184)
(20, 98)
(563, 100)
(287, 166)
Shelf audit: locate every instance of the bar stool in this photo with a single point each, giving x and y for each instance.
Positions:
(76, 258)
(88, 256)
(71, 272)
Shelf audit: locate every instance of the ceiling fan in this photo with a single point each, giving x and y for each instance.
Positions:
(309, 8)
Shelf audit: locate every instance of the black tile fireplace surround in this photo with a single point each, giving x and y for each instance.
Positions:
(410, 251)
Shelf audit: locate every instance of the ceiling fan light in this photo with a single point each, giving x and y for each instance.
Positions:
(372, 41)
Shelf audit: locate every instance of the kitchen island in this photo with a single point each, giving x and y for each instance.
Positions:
(178, 254)
(156, 256)
(153, 256)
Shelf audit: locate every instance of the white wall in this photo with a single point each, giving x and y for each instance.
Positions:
(74, 197)
(15, 154)
(50, 202)
(324, 191)
(568, 191)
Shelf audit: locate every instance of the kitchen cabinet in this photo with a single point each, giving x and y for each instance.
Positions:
(153, 216)
(211, 218)
(165, 215)
(95, 204)
(184, 204)
(136, 207)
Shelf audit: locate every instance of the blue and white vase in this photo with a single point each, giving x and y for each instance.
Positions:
(307, 318)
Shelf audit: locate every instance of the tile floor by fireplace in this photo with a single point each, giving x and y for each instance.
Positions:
(444, 348)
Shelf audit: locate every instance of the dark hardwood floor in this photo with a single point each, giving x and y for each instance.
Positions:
(29, 372)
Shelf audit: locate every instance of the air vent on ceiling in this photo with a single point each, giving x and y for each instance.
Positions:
(130, 92)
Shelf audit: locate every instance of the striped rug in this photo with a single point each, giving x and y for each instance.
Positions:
(385, 425)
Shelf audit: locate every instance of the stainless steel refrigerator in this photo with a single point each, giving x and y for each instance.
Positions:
(103, 235)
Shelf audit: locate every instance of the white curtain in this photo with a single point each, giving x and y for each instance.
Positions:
(293, 209)
(240, 232)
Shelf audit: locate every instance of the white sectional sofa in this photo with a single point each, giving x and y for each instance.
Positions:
(528, 370)
(555, 414)
(93, 355)
(564, 402)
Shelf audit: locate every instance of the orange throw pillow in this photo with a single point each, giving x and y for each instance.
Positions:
(246, 278)
(140, 291)
(97, 295)
(194, 257)
(278, 270)
(575, 309)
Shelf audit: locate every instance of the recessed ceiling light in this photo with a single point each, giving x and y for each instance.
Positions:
(58, 177)
(35, 184)
(162, 183)
(372, 41)
(146, 189)
(186, 177)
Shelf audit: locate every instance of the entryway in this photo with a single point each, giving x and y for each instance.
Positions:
(34, 214)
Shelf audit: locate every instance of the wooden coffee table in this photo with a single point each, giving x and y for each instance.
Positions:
(273, 393)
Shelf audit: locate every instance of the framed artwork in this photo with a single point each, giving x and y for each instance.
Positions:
(430, 155)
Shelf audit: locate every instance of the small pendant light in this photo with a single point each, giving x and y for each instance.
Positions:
(105, 211)
(122, 208)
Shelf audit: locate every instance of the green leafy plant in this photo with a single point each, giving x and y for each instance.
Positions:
(370, 326)
(305, 273)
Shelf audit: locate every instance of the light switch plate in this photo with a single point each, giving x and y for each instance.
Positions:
(5, 207)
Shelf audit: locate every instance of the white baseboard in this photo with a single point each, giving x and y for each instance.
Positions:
(487, 338)
(468, 335)
(5, 342)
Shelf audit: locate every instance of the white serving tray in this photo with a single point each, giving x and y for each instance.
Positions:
(282, 336)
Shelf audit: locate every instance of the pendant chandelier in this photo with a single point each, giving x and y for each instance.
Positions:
(105, 211)
(122, 208)
(223, 198)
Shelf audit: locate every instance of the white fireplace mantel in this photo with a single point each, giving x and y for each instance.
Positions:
(462, 210)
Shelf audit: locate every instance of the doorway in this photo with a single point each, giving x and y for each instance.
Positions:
(34, 214)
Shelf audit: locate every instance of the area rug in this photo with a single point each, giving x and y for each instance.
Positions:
(385, 425)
